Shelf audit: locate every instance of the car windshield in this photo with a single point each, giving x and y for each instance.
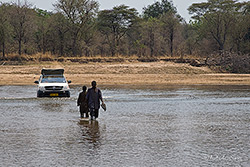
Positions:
(53, 79)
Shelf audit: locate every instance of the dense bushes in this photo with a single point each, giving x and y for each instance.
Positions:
(230, 62)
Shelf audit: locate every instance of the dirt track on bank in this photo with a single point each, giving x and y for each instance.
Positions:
(124, 74)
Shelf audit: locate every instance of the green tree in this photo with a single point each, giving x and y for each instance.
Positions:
(217, 19)
(79, 13)
(59, 34)
(4, 26)
(170, 27)
(159, 8)
(241, 30)
(169, 21)
(43, 28)
(89, 37)
(151, 35)
(134, 41)
(191, 37)
(22, 23)
(115, 23)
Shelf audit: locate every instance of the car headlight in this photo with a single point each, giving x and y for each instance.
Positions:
(66, 87)
(41, 88)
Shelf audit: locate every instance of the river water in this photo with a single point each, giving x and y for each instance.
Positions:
(174, 126)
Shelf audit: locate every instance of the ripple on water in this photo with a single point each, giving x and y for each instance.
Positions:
(170, 127)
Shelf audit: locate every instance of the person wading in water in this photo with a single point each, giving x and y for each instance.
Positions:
(83, 103)
(94, 96)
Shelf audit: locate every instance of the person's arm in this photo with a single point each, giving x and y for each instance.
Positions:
(78, 100)
(100, 96)
(87, 96)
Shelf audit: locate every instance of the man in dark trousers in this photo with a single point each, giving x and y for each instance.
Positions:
(94, 95)
(83, 103)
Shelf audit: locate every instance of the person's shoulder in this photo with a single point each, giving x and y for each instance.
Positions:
(99, 90)
(89, 89)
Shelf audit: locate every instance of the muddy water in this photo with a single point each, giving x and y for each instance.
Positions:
(176, 126)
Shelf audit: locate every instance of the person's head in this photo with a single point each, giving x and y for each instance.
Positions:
(84, 88)
(93, 83)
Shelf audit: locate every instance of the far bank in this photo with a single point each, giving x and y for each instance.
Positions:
(160, 73)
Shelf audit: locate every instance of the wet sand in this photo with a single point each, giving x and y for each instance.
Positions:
(126, 74)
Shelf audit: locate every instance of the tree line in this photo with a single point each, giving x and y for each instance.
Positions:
(79, 28)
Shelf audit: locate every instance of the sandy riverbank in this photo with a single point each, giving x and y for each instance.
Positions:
(124, 74)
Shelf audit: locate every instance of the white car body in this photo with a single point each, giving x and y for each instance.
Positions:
(52, 83)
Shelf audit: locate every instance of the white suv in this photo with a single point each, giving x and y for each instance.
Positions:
(52, 83)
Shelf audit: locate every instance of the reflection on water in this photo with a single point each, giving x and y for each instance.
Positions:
(175, 126)
(90, 132)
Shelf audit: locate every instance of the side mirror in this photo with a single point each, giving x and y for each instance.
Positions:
(36, 82)
(69, 81)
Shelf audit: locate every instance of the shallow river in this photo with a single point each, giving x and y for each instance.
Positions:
(175, 126)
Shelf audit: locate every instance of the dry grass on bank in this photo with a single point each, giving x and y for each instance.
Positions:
(15, 59)
(121, 73)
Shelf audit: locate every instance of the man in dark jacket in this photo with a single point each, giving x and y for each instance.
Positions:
(94, 95)
(83, 103)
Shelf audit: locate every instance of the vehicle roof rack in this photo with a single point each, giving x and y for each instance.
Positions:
(52, 71)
